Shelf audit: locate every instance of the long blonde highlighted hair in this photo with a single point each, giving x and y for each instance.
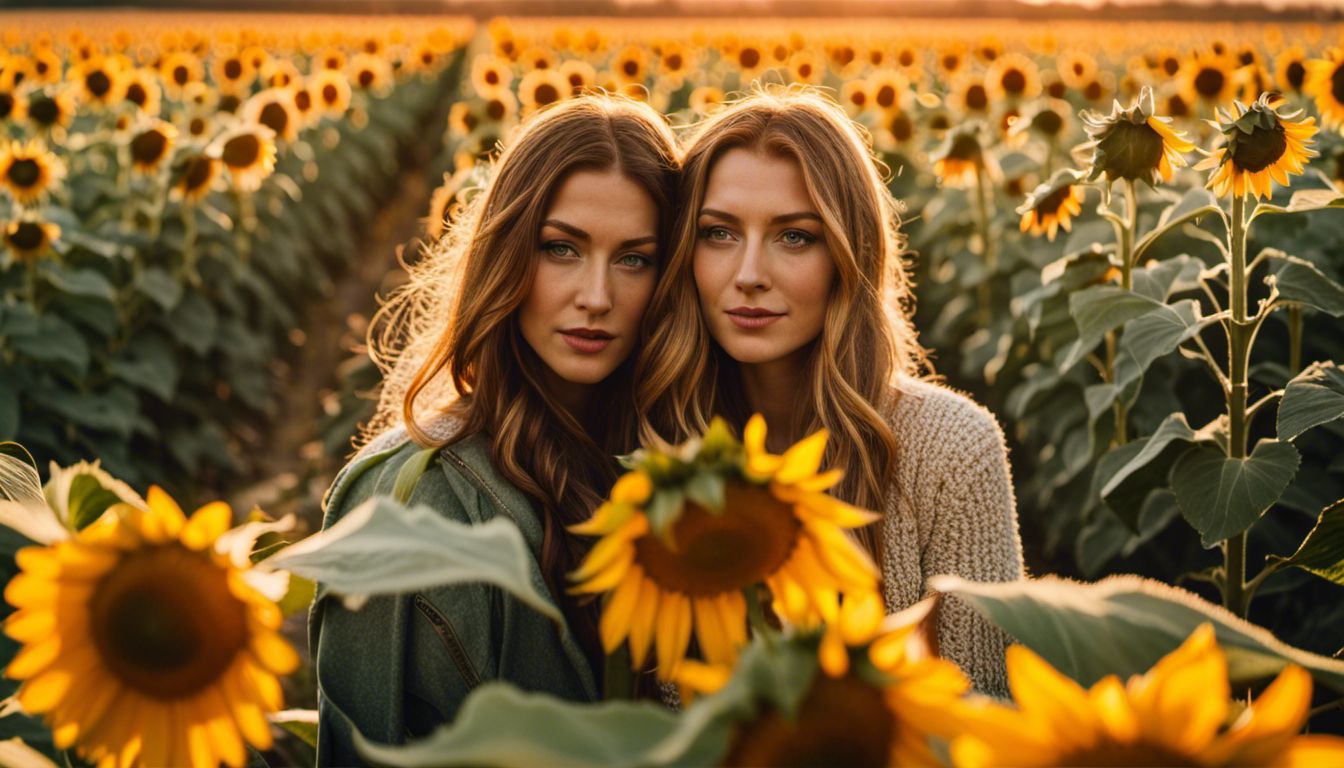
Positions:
(684, 378)
(448, 342)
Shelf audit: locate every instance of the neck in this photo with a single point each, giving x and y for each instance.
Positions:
(774, 390)
(576, 399)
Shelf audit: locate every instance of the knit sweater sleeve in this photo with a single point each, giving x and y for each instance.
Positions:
(973, 532)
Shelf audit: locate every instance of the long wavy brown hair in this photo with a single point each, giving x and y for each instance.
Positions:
(449, 342)
(684, 377)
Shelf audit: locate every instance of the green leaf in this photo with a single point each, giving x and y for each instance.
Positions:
(159, 286)
(707, 489)
(9, 410)
(1314, 397)
(664, 509)
(1173, 275)
(1322, 552)
(1221, 496)
(1122, 626)
(383, 547)
(79, 494)
(1100, 309)
(1155, 335)
(194, 322)
(149, 364)
(1131, 471)
(300, 722)
(77, 282)
(298, 596)
(1195, 203)
(1299, 281)
(55, 341)
(1302, 201)
(502, 726)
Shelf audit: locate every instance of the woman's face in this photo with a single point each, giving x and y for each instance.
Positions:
(595, 272)
(762, 265)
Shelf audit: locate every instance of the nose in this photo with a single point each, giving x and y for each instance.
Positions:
(751, 273)
(594, 293)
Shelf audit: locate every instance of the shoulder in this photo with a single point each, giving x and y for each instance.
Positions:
(930, 415)
(373, 469)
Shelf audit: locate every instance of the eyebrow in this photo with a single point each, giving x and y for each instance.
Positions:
(574, 231)
(780, 219)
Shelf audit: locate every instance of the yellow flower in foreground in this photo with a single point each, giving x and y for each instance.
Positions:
(1262, 147)
(1172, 715)
(686, 533)
(146, 641)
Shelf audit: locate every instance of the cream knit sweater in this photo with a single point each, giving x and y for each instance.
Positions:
(950, 509)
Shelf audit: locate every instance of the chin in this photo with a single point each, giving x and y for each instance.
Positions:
(585, 372)
(753, 351)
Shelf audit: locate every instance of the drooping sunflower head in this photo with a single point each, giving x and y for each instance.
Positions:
(691, 531)
(151, 144)
(247, 152)
(961, 157)
(29, 172)
(1135, 144)
(1261, 146)
(1174, 714)
(1052, 205)
(29, 238)
(145, 641)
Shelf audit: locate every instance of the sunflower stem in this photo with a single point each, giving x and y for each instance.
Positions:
(617, 681)
(1239, 337)
(987, 243)
(1294, 340)
(243, 224)
(188, 214)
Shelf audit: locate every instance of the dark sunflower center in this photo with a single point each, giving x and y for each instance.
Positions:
(491, 77)
(136, 94)
(845, 56)
(858, 98)
(197, 126)
(1051, 203)
(1092, 91)
(1260, 149)
(964, 147)
(546, 94)
(28, 236)
(303, 100)
(44, 110)
(673, 62)
(199, 172)
(1057, 89)
(165, 622)
(1131, 150)
(977, 98)
(332, 63)
(233, 69)
(726, 552)
(1048, 122)
(7, 105)
(1109, 754)
(241, 151)
(98, 83)
(1209, 82)
(330, 93)
(494, 110)
(275, 117)
(901, 127)
(905, 58)
(749, 58)
(940, 122)
(1014, 81)
(181, 75)
(1171, 65)
(229, 103)
(24, 172)
(365, 78)
(804, 70)
(147, 148)
(1176, 106)
(1296, 75)
(840, 722)
(1337, 83)
(885, 96)
(630, 67)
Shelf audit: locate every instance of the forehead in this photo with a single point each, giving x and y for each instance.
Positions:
(748, 183)
(604, 202)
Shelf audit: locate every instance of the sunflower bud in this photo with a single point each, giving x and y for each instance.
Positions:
(1133, 144)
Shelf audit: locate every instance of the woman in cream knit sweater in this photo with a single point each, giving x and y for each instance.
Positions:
(786, 296)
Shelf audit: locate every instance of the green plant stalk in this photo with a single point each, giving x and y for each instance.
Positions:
(1236, 598)
(989, 252)
(1294, 340)
(188, 213)
(1127, 233)
(244, 224)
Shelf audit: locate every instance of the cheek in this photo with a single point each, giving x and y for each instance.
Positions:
(709, 275)
(814, 286)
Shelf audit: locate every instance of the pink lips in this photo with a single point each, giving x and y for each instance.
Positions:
(587, 341)
(753, 317)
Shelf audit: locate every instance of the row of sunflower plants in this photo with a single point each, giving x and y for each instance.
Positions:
(174, 192)
(793, 659)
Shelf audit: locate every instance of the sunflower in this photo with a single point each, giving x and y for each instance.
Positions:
(537, 57)
(1290, 70)
(279, 72)
(687, 533)
(750, 60)
(150, 144)
(256, 57)
(231, 72)
(332, 90)
(1135, 144)
(17, 69)
(97, 79)
(248, 152)
(275, 109)
(47, 67)
(674, 62)
(630, 64)
(140, 88)
(887, 89)
(370, 73)
(1262, 146)
(1014, 77)
(951, 60)
(806, 66)
(895, 130)
(329, 58)
(490, 75)
(305, 105)
(706, 99)
(1208, 78)
(30, 238)
(28, 171)
(969, 96)
(196, 177)
(883, 705)
(580, 74)
(542, 87)
(500, 108)
(1324, 82)
(1076, 67)
(144, 640)
(854, 96)
(1174, 714)
(178, 69)
(1052, 205)
(961, 157)
(11, 107)
(1046, 118)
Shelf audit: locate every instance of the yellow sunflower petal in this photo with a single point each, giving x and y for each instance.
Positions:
(1041, 691)
(802, 460)
(832, 653)
(166, 513)
(674, 632)
(206, 525)
(617, 614)
(644, 620)
(632, 488)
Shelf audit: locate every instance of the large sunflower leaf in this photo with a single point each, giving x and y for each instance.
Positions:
(1222, 496)
(1128, 473)
(502, 726)
(1100, 309)
(1154, 335)
(1301, 282)
(383, 547)
(1302, 201)
(1322, 552)
(1122, 625)
(1196, 203)
(1169, 276)
(1314, 397)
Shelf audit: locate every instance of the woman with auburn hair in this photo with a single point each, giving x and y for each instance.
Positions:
(786, 296)
(510, 351)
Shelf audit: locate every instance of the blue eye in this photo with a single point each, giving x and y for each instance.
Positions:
(560, 250)
(798, 238)
(638, 260)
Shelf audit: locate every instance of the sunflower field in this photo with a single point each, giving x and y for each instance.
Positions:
(1126, 240)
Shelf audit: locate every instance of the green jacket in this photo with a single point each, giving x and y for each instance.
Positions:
(402, 665)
